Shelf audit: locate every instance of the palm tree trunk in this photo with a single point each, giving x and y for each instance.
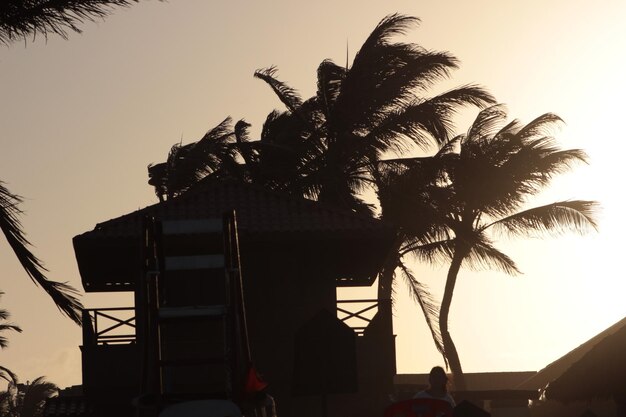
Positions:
(448, 344)
(385, 278)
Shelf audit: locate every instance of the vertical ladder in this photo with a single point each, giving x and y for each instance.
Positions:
(196, 334)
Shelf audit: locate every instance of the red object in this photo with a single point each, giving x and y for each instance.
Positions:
(254, 383)
(419, 407)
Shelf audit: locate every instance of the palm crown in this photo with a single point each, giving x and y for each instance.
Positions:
(477, 182)
(21, 18)
(361, 113)
(484, 180)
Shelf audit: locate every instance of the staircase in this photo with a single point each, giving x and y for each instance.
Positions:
(196, 344)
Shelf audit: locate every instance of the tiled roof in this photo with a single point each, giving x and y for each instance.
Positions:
(73, 406)
(480, 381)
(602, 367)
(258, 211)
(555, 369)
(109, 257)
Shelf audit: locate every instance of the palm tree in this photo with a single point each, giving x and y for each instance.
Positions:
(360, 115)
(481, 182)
(22, 18)
(362, 112)
(63, 295)
(27, 400)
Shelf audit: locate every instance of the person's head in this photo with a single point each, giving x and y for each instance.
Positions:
(438, 378)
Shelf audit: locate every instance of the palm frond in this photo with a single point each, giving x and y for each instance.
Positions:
(241, 131)
(546, 159)
(8, 375)
(329, 82)
(388, 80)
(420, 294)
(187, 164)
(451, 146)
(287, 95)
(555, 218)
(484, 256)
(487, 122)
(22, 18)
(4, 315)
(496, 173)
(391, 25)
(541, 126)
(35, 396)
(63, 295)
(428, 121)
(435, 252)
(157, 177)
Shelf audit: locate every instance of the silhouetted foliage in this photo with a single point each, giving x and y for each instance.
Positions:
(363, 112)
(22, 18)
(4, 315)
(6, 373)
(64, 296)
(26, 400)
(219, 153)
(478, 182)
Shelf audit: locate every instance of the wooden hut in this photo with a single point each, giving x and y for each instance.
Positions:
(295, 253)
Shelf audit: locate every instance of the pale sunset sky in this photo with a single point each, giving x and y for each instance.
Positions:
(80, 120)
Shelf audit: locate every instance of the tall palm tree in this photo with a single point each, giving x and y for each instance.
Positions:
(363, 112)
(480, 182)
(22, 18)
(26, 400)
(63, 295)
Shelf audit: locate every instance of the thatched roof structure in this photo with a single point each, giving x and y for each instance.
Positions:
(600, 373)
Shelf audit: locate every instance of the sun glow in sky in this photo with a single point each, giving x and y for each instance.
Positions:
(81, 119)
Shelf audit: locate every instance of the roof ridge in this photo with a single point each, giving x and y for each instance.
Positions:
(278, 194)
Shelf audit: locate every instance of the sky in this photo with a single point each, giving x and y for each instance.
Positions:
(80, 120)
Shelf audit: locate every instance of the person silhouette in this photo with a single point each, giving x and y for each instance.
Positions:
(437, 386)
(435, 401)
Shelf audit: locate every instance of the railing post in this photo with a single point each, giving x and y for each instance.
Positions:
(88, 332)
(385, 310)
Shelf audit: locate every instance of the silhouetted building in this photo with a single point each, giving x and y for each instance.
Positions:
(295, 253)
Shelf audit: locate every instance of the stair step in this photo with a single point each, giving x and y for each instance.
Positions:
(180, 263)
(186, 227)
(221, 360)
(195, 311)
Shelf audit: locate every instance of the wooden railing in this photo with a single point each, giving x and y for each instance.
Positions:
(105, 326)
(360, 315)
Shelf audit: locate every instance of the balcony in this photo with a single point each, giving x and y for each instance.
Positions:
(359, 313)
(105, 326)
(110, 355)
